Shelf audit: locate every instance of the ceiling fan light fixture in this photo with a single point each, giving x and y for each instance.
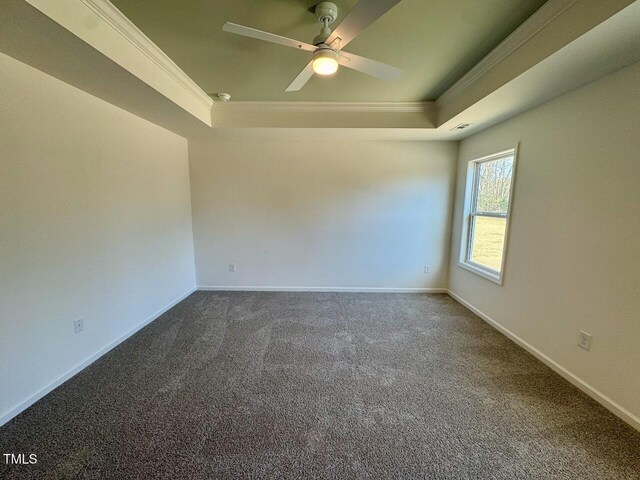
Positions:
(325, 61)
(327, 47)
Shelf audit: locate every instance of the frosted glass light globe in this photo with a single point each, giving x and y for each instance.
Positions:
(325, 61)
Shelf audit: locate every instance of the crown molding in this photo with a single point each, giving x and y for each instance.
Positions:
(108, 12)
(100, 24)
(327, 107)
(525, 32)
(324, 114)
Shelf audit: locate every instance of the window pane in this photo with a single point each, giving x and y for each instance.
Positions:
(494, 185)
(488, 241)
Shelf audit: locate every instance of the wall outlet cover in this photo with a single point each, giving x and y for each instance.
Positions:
(78, 325)
(584, 340)
(232, 267)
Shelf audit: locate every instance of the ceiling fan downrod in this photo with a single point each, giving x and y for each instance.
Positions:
(326, 13)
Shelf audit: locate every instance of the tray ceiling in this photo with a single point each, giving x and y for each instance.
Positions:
(434, 41)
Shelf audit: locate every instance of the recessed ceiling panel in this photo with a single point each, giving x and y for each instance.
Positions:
(434, 41)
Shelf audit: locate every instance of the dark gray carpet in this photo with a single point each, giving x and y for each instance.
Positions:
(303, 385)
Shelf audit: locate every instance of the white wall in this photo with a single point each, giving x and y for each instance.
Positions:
(573, 260)
(288, 213)
(95, 223)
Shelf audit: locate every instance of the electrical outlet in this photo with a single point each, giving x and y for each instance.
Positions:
(232, 267)
(584, 340)
(428, 269)
(78, 325)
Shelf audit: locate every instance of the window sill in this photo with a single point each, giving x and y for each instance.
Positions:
(495, 278)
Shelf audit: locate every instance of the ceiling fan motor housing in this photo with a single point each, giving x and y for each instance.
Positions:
(325, 51)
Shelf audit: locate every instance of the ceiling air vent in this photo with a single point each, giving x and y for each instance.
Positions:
(461, 126)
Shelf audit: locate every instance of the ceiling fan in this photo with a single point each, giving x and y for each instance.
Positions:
(327, 46)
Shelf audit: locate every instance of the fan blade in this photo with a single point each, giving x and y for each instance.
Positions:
(302, 78)
(370, 67)
(360, 17)
(267, 37)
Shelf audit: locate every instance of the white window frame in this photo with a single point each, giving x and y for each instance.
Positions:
(471, 192)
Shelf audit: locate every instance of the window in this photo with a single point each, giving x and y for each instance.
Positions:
(487, 206)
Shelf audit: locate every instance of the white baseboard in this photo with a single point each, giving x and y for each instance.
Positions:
(13, 411)
(618, 410)
(220, 288)
(598, 396)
